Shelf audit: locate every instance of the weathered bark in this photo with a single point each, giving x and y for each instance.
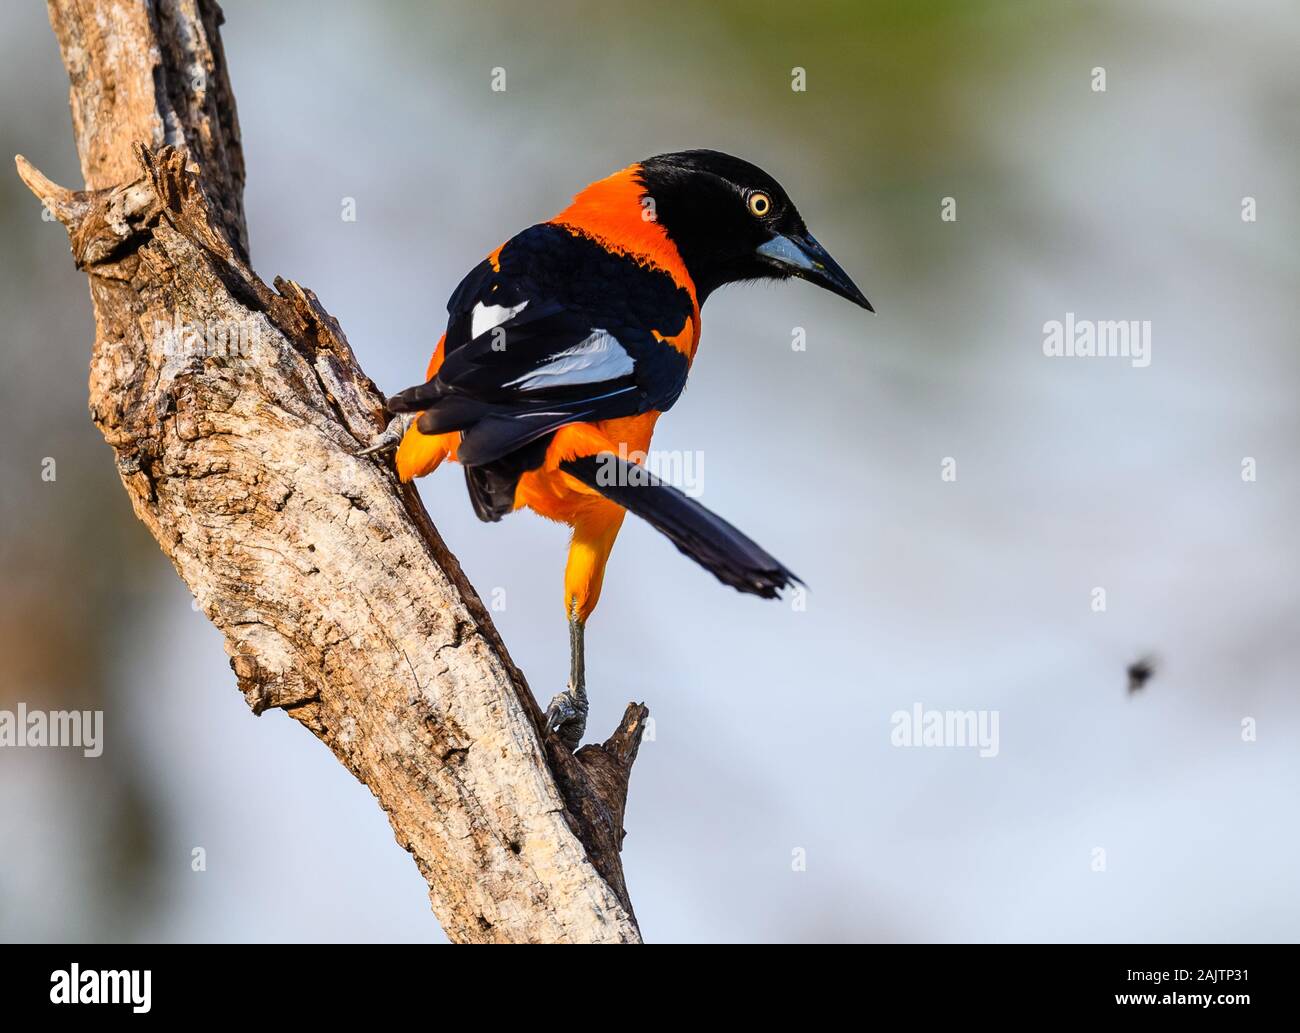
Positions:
(338, 600)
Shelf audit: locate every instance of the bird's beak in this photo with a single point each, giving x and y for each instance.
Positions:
(803, 257)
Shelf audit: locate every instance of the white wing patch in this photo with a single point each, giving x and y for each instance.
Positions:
(597, 358)
(487, 317)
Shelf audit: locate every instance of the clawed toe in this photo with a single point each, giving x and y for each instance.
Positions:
(566, 718)
(390, 437)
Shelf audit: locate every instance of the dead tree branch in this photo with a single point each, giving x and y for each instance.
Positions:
(234, 411)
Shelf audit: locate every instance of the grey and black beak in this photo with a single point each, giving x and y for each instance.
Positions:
(802, 256)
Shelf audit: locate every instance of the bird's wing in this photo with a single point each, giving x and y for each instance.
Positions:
(554, 329)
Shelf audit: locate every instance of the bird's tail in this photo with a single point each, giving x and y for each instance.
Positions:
(702, 535)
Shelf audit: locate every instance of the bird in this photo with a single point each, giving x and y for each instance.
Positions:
(564, 346)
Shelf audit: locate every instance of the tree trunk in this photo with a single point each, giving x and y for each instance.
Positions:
(235, 411)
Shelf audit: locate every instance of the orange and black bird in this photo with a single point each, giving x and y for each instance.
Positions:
(565, 345)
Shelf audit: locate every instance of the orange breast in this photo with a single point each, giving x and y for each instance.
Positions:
(557, 496)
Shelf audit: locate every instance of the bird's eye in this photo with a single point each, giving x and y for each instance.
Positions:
(759, 203)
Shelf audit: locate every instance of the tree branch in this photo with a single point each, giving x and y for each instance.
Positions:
(234, 411)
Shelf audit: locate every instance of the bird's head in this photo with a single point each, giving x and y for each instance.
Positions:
(731, 221)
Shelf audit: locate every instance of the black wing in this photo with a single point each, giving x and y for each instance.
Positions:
(559, 331)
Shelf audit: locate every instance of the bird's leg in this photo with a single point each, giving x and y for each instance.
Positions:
(391, 436)
(567, 714)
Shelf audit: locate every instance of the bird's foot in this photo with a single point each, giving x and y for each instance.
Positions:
(391, 436)
(567, 718)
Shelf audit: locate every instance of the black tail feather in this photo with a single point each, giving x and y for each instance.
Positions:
(702, 535)
(492, 487)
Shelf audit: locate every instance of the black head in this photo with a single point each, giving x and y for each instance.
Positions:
(731, 221)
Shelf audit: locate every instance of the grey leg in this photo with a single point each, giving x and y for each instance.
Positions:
(567, 714)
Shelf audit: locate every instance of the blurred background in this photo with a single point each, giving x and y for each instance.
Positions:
(772, 723)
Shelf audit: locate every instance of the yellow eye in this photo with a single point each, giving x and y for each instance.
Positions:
(759, 203)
